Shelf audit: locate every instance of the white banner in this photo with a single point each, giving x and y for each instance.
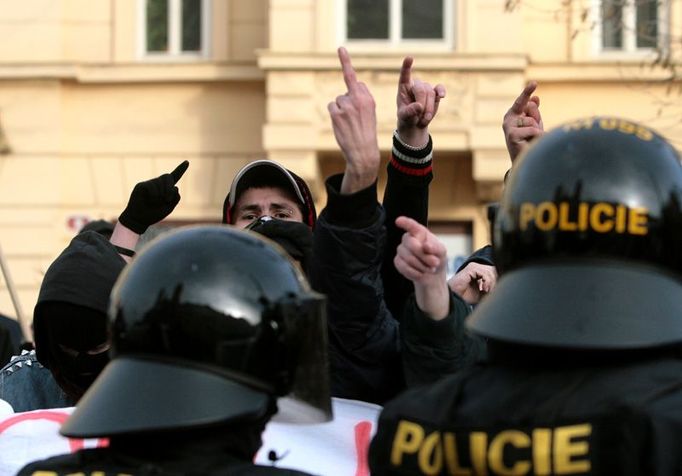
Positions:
(335, 448)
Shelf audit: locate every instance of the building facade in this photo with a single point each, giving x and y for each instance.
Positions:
(96, 95)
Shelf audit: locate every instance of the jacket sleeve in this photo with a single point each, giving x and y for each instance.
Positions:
(348, 244)
(433, 349)
(483, 256)
(409, 173)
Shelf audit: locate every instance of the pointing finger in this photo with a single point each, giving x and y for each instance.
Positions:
(520, 103)
(406, 71)
(413, 227)
(347, 67)
(179, 171)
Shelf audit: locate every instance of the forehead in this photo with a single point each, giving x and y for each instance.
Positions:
(265, 195)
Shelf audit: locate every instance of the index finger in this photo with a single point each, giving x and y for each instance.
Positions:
(347, 68)
(179, 171)
(406, 71)
(413, 227)
(520, 103)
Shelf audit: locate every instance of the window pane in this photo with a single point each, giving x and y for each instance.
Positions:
(157, 25)
(422, 19)
(191, 25)
(367, 19)
(612, 23)
(647, 23)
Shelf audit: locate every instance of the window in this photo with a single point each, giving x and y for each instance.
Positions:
(457, 238)
(397, 21)
(174, 28)
(630, 25)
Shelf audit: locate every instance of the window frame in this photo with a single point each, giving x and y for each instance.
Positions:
(394, 40)
(174, 52)
(629, 48)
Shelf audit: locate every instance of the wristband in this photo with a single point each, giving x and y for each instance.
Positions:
(124, 251)
(407, 146)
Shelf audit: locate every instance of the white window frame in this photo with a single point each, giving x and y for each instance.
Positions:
(174, 52)
(629, 48)
(394, 40)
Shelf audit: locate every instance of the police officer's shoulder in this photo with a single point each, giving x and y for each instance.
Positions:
(249, 469)
(83, 462)
(429, 401)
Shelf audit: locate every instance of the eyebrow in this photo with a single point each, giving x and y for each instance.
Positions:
(249, 208)
(282, 206)
(255, 207)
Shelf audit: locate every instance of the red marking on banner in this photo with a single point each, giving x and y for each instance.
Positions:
(75, 444)
(363, 431)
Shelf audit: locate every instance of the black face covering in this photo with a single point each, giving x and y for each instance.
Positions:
(75, 374)
(60, 325)
(295, 237)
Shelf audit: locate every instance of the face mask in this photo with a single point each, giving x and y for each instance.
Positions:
(75, 373)
(296, 238)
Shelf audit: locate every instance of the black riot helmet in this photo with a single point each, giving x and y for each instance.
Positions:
(587, 241)
(210, 324)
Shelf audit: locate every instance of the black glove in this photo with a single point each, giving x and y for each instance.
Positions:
(153, 200)
(295, 237)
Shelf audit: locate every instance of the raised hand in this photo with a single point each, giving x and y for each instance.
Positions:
(353, 116)
(422, 258)
(522, 123)
(474, 281)
(417, 103)
(153, 200)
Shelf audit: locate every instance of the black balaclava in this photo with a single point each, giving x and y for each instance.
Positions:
(295, 237)
(71, 310)
(79, 329)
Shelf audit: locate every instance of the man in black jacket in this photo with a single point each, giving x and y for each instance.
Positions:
(584, 374)
(353, 256)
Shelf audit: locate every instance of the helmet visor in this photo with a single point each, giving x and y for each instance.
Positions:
(308, 399)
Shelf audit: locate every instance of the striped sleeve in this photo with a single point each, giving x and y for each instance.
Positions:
(411, 160)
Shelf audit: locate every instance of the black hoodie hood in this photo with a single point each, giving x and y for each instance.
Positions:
(82, 275)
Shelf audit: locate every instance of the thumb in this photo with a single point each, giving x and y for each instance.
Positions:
(179, 171)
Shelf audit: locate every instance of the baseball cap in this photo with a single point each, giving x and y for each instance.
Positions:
(268, 173)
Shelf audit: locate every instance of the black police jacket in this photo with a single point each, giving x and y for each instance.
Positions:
(109, 462)
(501, 418)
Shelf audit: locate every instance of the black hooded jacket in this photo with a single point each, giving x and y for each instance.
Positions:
(74, 295)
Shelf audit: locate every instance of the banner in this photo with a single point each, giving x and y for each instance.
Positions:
(335, 448)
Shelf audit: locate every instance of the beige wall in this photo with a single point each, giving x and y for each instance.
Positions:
(87, 115)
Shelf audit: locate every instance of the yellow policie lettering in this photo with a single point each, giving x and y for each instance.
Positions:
(610, 124)
(626, 127)
(579, 124)
(550, 451)
(600, 217)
